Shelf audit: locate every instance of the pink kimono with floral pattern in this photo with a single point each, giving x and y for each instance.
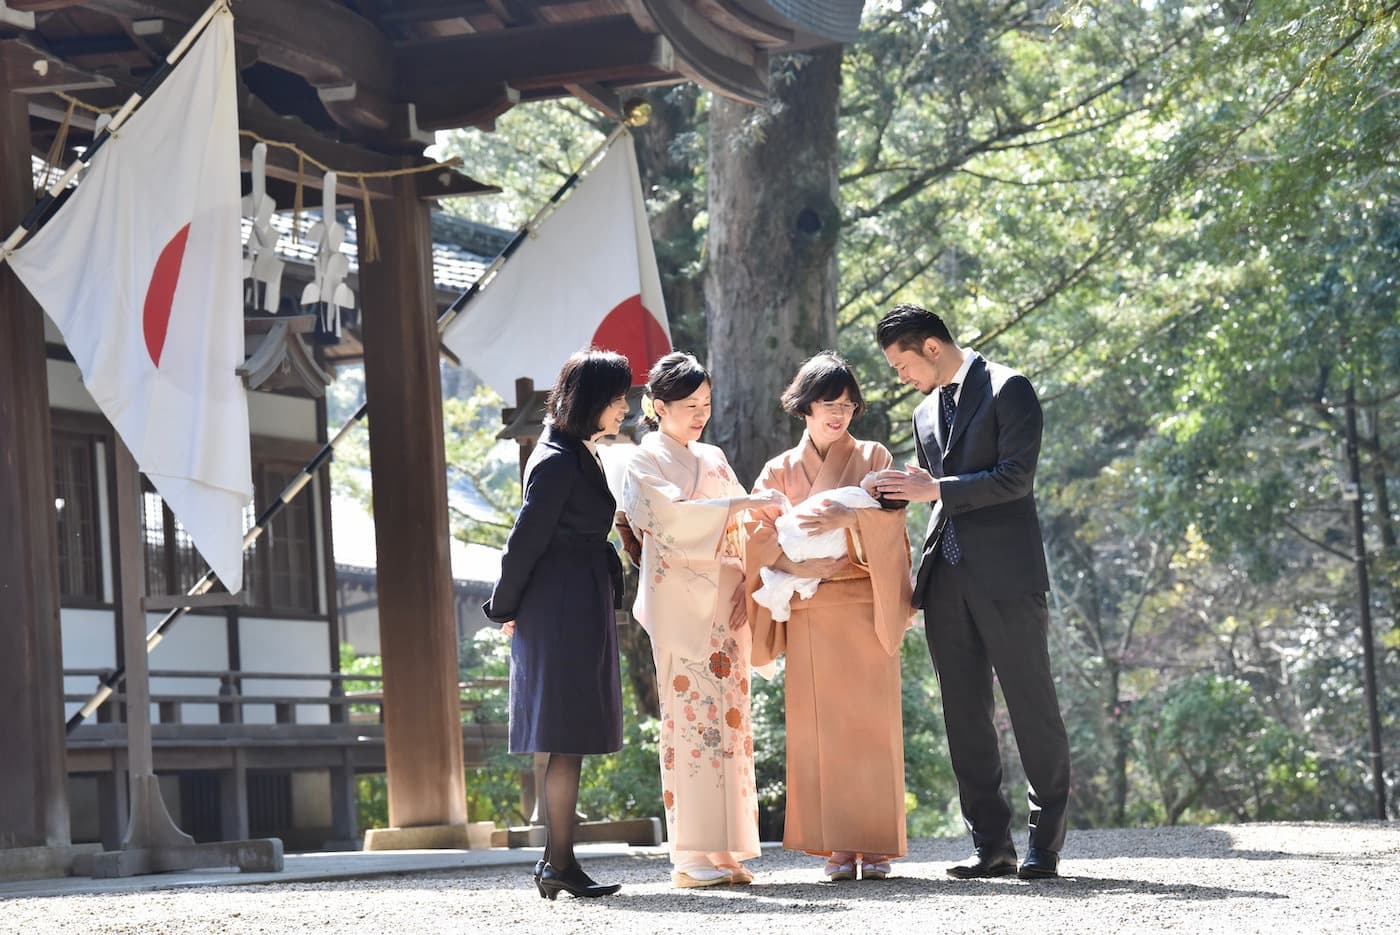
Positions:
(676, 498)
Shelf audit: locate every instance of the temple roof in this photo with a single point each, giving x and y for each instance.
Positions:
(362, 84)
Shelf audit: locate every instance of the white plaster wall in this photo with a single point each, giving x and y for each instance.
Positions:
(66, 390)
(89, 642)
(293, 646)
(195, 642)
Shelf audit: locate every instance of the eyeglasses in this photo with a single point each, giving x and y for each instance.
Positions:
(837, 409)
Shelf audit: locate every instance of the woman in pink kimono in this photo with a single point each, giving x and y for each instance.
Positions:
(681, 501)
(845, 742)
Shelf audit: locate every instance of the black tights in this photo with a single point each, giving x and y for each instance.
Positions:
(559, 806)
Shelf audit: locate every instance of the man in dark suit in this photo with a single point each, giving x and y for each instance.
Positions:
(982, 583)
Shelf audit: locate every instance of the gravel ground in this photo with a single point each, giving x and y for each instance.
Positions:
(1276, 878)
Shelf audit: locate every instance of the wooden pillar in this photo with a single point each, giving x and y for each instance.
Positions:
(113, 811)
(344, 798)
(233, 800)
(33, 786)
(417, 632)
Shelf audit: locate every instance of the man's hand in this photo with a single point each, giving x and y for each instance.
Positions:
(828, 517)
(913, 484)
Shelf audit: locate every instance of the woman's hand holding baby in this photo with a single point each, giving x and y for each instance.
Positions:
(829, 517)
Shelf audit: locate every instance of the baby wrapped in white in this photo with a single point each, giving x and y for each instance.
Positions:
(779, 587)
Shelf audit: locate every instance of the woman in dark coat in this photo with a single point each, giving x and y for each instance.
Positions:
(560, 582)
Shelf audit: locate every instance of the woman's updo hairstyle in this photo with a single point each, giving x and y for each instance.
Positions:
(673, 377)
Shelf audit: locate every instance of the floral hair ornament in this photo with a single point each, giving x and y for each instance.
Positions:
(648, 407)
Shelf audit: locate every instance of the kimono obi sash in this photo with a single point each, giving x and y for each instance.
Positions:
(575, 542)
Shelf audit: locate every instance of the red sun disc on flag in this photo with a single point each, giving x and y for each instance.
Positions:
(160, 294)
(634, 333)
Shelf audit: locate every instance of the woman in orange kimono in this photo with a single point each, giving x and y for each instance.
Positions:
(845, 742)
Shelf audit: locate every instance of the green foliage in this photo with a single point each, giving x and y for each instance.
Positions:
(1215, 754)
(626, 784)
(768, 715)
(371, 791)
(371, 801)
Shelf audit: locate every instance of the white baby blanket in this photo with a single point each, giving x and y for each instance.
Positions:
(779, 587)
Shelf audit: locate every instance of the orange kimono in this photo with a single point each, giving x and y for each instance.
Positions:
(845, 733)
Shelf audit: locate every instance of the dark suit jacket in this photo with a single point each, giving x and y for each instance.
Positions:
(986, 473)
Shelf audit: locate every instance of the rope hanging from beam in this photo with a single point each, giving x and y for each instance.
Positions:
(371, 238)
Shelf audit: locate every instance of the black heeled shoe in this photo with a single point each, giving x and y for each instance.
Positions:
(539, 869)
(572, 881)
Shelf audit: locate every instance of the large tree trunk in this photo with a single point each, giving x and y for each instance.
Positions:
(669, 159)
(770, 287)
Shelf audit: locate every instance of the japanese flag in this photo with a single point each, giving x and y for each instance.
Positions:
(141, 270)
(587, 276)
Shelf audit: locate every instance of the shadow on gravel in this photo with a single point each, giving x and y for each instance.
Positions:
(1207, 844)
(828, 897)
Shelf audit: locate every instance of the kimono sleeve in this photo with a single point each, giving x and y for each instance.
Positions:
(881, 547)
(546, 490)
(656, 507)
(761, 550)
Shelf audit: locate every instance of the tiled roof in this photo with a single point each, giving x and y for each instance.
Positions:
(461, 249)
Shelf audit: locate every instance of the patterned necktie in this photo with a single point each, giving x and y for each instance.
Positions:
(952, 551)
(948, 407)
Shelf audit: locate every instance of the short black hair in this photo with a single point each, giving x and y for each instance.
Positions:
(821, 378)
(910, 326)
(673, 377)
(588, 383)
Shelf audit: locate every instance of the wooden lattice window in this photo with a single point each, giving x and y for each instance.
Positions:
(76, 507)
(173, 564)
(280, 571)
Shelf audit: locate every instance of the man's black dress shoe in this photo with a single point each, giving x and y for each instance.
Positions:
(986, 862)
(1040, 864)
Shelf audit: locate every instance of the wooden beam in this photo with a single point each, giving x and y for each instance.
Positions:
(530, 56)
(324, 41)
(708, 54)
(604, 100)
(732, 16)
(257, 117)
(41, 6)
(449, 107)
(353, 106)
(27, 70)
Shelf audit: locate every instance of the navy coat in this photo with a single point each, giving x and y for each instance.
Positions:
(561, 581)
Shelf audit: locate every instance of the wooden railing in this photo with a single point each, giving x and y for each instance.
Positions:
(353, 707)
